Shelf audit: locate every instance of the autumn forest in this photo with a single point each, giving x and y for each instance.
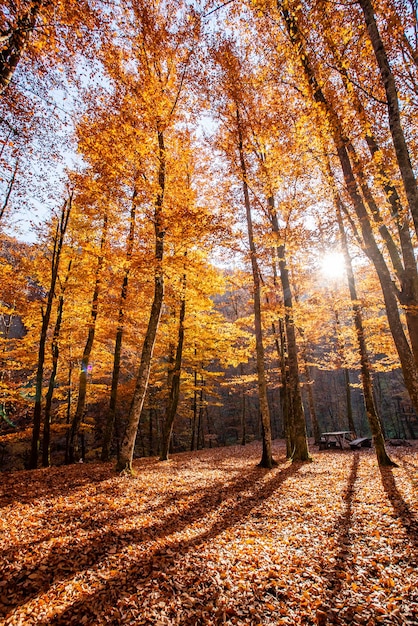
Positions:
(209, 222)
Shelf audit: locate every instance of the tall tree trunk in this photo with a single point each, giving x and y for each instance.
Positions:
(340, 349)
(15, 41)
(311, 402)
(299, 441)
(243, 412)
(46, 441)
(194, 422)
(110, 420)
(200, 434)
(284, 392)
(128, 443)
(398, 137)
(349, 404)
(371, 411)
(73, 448)
(296, 427)
(46, 317)
(406, 357)
(68, 412)
(406, 274)
(175, 380)
(267, 458)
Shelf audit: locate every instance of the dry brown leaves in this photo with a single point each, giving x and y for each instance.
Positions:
(209, 538)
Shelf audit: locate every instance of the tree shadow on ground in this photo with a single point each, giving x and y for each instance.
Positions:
(157, 561)
(64, 560)
(335, 576)
(31, 485)
(401, 508)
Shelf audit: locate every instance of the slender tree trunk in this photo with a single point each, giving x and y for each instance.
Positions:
(285, 395)
(175, 380)
(299, 442)
(398, 137)
(194, 423)
(82, 384)
(350, 420)
(110, 420)
(311, 402)
(371, 412)
(267, 458)
(243, 417)
(10, 186)
(15, 41)
(46, 441)
(46, 317)
(128, 443)
(200, 435)
(69, 401)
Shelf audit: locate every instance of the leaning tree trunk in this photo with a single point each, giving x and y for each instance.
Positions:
(73, 449)
(128, 443)
(284, 392)
(110, 421)
(398, 137)
(405, 268)
(267, 458)
(371, 411)
(407, 273)
(409, 368)
(280, 343)
(175, 381)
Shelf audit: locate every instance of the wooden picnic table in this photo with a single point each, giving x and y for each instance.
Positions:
(331, 440)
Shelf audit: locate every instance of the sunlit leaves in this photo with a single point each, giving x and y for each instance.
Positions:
(209, 538)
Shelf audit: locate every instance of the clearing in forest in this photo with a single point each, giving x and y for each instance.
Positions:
(209, 538)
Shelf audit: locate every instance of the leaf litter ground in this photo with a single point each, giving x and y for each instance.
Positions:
(209, 538)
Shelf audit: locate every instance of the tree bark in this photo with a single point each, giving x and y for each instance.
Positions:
(267, 457)
(243, 412)
(406, 357)
(175, 380)
(194, 419)
(299, 442)
(46, 440)
(128, 443)
(371, 411)
(16, 40)
(110, 420)
(311, 402)
(46, 317)
(398, 137)
(73, 449)
(407, 273)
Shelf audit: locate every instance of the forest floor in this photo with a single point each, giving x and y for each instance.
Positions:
(208, 538)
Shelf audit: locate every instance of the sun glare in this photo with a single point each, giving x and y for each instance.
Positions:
(332, 265)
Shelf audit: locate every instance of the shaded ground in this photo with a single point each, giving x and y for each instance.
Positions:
(209, 538)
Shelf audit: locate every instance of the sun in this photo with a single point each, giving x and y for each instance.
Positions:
(333, 265)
